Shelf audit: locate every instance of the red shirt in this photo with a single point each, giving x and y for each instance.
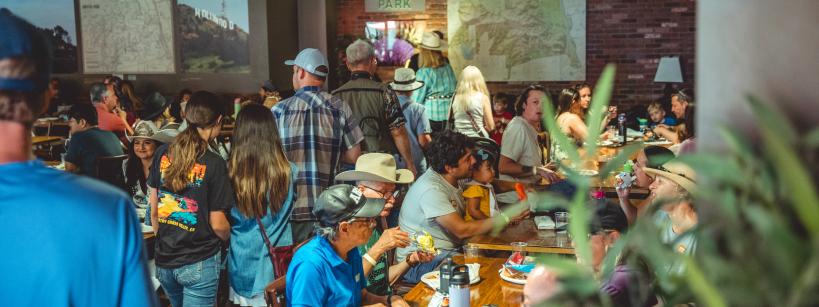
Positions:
(501, 120)
(111, 122)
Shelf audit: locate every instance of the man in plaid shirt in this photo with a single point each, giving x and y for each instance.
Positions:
(317, 132)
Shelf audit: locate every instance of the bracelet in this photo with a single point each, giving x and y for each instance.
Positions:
(369, 259)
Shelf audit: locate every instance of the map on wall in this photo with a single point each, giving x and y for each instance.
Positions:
(59, 29)
(214, 36)
(134, 36)
(519, 40)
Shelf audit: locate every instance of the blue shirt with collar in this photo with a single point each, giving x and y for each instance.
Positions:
(318, 276)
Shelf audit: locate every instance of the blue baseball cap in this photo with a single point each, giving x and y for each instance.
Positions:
(309, 59)
(20, 39)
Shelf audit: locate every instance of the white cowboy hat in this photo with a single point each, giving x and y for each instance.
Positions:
(147, 130)
(404, 80)
(677, 172)
(431, 41)
(378, 167)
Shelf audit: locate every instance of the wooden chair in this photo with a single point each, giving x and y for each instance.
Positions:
(109, 169)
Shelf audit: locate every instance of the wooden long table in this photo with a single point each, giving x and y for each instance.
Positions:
(37, 140)
(490, 290)
(538, 241)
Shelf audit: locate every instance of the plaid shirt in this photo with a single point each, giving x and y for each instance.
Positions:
(315, 129)
(436, 94)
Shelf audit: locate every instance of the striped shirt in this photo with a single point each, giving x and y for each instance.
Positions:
(315, 129)
(436, 94)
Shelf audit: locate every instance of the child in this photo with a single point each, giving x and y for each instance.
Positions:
(501, 114)
(658, 117)
(480, 196)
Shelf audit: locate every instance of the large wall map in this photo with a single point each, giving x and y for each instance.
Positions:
(519, 40)
(133, 36)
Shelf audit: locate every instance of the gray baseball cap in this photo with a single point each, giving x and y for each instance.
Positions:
(309, 59)
(342, 202)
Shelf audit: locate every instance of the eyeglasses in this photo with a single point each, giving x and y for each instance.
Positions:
(371, 222)
(383, 195)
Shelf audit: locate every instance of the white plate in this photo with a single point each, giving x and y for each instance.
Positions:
(510, 279)
(47, 119)
(431, 278)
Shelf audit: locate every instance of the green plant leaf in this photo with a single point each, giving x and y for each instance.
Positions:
(579, 216)
(705, 291)
(812, 138)
(597, 110)
(798, 183)
(620, 159)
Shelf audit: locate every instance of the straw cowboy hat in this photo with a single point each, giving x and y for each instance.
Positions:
(431, 41)
(378, 167)
(677, 172)
(147, 130)
(404, 80)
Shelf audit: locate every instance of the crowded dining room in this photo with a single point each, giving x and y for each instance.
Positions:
(267, 153)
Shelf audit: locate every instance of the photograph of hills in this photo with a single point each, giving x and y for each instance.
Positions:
(61, 30)
(213, 36)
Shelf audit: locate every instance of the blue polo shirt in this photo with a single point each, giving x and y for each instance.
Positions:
(318, 276)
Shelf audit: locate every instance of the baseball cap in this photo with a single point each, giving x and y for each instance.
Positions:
(608, 217)
(342, 202)
(309, 59)
(20, 39)
(269, 86)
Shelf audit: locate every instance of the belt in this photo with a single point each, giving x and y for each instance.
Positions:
(439, 96)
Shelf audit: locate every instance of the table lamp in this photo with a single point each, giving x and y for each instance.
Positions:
(668, 71)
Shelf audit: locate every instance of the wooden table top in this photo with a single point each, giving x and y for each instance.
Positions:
(539, 241)
(35, 140)
(490, 290)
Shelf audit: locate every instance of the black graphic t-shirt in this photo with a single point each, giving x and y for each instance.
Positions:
(185, 235)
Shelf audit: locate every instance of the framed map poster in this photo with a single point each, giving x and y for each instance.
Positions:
(519, 40)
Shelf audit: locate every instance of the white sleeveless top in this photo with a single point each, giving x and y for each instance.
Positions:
(474, 109)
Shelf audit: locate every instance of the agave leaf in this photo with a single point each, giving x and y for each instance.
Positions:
(510, 211)
(620, 159)
(808, 281)
(773, 120)
(555, 133)
(544, 200)
(578, 224)
(705, 291)
(799, 184)
(600, 100)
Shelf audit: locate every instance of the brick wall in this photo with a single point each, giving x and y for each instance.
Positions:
(633, 34)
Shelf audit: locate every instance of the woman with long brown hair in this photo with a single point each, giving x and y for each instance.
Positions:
(263, 180)
(190, 193)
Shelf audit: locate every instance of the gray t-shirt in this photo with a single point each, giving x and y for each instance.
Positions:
(520, 144)
(429, 197)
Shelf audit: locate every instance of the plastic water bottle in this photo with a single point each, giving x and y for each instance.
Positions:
(625, 177)
(445, 275)
(459, 287)
(621, 125)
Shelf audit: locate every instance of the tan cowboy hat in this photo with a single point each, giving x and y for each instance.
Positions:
(677, 172)
(147, 130)
(404, 80)
(378, 167)
(431, 41)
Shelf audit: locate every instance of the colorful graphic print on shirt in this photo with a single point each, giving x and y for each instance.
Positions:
(177, 210)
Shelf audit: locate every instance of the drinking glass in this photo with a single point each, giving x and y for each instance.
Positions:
(519, 247)
(612, 130)
(471, 253)
(561, 220)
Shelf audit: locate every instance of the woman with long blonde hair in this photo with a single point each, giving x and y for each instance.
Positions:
(471, 109)
(189, 195)
(263, 180)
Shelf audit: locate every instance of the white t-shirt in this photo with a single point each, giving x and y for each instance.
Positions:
(520, 144)
(474, 106)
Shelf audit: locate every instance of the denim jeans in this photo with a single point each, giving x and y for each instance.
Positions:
(413, 275)
(191, 285)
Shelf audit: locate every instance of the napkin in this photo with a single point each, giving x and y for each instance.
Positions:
(544, 222)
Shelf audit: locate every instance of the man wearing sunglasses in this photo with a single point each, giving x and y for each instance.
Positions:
(377, 177)
(327, 271)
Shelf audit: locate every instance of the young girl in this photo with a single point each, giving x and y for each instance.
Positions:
(189, 194)
(480, 196)
(263, 180)
(501, 115)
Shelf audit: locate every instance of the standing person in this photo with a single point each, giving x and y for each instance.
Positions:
(501, 115)
(471, 108)
(75, 241)
(376, 107)
(263, 180)
(88, 142)
(317, 132)
(179, 103)
(328, 271)
(189, 194)
(156, 109)
(417, 122)
(109, 113)
(439, 81)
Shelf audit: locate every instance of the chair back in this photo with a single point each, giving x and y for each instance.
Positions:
(109, 169)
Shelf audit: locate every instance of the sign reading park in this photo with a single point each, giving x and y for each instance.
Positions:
(394, 5)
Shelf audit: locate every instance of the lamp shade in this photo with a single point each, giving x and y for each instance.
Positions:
(669, 70)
